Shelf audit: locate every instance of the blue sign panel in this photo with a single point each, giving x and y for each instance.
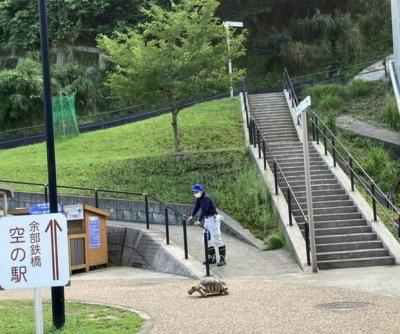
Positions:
(94, 232)
(42, 209)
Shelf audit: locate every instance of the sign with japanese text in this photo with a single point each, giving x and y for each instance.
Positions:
(34, 251)
(42, 208)
(94, 232)
(73, 212)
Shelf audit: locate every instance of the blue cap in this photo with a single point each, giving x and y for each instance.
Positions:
(197, 187)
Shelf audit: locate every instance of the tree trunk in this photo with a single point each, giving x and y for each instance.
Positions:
(177, 140)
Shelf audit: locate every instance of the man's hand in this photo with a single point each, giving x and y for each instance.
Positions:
(196, 223)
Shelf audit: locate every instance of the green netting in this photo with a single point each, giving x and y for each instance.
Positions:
(64, 116)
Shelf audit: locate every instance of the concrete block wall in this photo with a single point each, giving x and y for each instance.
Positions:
(122, 210)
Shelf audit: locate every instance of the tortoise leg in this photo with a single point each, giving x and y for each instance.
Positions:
(226, 291)
(191, 290)
(202, 292)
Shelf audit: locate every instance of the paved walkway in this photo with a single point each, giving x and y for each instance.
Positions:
(243, 260)
(376, 71)
(287, 303)
(367, 130)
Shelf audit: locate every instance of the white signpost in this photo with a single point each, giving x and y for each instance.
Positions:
(301, 109)
(34, 254)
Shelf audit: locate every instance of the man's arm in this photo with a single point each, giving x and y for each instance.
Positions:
(204, 209)
(196, 208)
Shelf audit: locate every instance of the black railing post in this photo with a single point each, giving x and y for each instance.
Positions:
(166, 226)
(313, 127)
(264, 155)
(146, 208)
(325, 146)
(255, 129)
(317, 129)
(307, 235)
(205, 237)
(259, 144)
(398, 228)
(185, 243)
(334, 151)
(373, 201)
(290, 207)
(251, 132)
(46, 193)
(276, 178)
(96, 198)
(351, 174)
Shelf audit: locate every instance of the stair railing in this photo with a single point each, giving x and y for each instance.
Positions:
(257, 139)
(353, 169)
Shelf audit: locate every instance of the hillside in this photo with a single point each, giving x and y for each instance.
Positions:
(138, 157)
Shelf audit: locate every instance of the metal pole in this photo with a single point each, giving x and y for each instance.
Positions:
(309, 194)
(317, 129)
(307, 234)
(185, 244)
(96, 198)
(290, 207)
(46, 193)
(146, 208)
(205, 237)
(325, 147)
(38, 311)
(166, 225)
(276, 178)
(259, 144)
(351, 174)
(374, 201)
(57, 293)
(264, 155)
(334, 151)
(228, 41)
(255, 129)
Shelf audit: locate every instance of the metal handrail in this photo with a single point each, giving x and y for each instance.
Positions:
(315, 120)
(255, 136)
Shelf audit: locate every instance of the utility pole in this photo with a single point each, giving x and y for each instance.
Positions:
(57, 293)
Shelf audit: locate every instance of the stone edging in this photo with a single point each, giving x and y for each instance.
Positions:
(148, 320)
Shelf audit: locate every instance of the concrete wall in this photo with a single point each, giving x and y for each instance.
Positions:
(123, 210)
(136, 247)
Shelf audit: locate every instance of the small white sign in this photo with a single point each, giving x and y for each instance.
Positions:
(73, 212)
(303, 105)
(234, 24)
(34, 251)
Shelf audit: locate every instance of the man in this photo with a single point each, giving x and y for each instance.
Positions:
(209, 214)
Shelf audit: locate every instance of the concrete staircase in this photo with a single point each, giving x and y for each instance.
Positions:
(343, 236)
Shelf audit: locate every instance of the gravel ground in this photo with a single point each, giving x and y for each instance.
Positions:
(253, 306)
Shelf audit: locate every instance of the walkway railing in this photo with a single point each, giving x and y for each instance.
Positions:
(257, 139)
(340, 154)
(321, 132)
(96, 192)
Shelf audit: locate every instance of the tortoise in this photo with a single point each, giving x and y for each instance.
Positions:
(208, 287)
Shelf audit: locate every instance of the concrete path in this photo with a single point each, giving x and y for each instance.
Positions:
(364, 129)
(376, 71)
(287, 303)
(243, 260)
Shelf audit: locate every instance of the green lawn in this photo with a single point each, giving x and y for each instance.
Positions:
(91, 159)
(140, 157)
(17, 317)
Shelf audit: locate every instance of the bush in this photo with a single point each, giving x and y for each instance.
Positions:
(276, 240)
(319, 92)
(390, 113)
(330, 102)
(359, 88)
(381, 168)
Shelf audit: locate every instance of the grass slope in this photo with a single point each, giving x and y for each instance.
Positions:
(139, 157)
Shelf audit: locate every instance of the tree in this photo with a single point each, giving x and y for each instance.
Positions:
(178, 55)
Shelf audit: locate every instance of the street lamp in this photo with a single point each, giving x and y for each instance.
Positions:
(227, 25)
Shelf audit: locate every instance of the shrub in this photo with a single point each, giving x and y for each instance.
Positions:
(381, 168)
(330, 102)
(318, 92)
(359, 88)
(390, 113)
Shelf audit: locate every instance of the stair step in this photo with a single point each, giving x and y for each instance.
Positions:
(333, 217)
(301, 195)
(325, 198)
(328, 239)
(336, 223)
(315, 187)
(347, 246)
(344, 230)
(328, 210)
(353, 254)
(362, 262)
(328, 204)
(313, 182)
